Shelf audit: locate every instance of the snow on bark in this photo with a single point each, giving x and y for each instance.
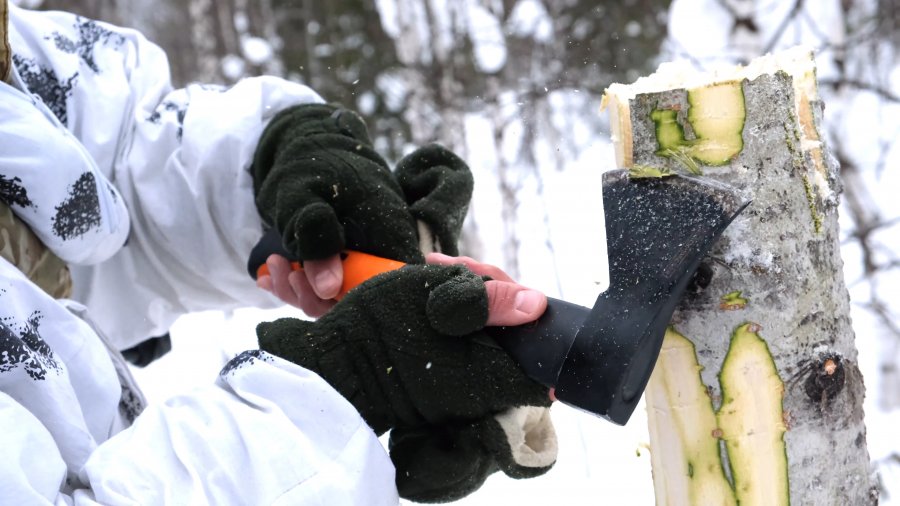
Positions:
(783, 257)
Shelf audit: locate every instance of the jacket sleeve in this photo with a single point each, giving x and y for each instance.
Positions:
(185, 176)
(32, 470)
(268, 432)
(53, 184)
(72, 425)
(179, 159)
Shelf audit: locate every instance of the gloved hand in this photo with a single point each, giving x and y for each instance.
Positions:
(441, 463)
(407, 349)
(320, 183)
(323, 188)
(438, 187)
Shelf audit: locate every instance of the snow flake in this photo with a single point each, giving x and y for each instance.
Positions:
(256, 50)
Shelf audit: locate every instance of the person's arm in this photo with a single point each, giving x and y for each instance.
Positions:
(249, 439)
(458, 406)
(268, 432)
(51, 183)
(324, 189)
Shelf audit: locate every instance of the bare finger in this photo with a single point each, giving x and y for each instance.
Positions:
(307, 300)
(325, 276)
(473, 265)
(279, 269)
(513, 304)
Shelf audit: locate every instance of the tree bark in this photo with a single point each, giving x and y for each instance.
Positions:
(777, 282)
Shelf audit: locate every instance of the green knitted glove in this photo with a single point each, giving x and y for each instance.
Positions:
(320, 183)
(438, 187)
(440, 463)
(407, 350)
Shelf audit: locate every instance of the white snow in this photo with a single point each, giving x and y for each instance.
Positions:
(365, 103)
(257, 50)
(529, 18)
(241, 21)
(487, 36)
(233, 66)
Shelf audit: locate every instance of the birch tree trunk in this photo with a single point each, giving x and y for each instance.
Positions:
(756, 398)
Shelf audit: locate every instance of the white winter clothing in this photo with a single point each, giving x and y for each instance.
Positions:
(179, 158)
(93, 140)
(268, 431)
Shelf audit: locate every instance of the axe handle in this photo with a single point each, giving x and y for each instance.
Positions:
(539, 347)
(358, 267)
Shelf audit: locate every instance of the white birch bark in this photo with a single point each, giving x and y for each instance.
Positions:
(783, 256)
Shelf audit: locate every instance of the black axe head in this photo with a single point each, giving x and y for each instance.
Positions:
(658, 231)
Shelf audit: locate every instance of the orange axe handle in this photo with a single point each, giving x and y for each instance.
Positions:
(358, 267)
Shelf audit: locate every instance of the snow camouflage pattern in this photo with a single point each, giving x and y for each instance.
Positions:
(18, 244)
(179, 109)
(89, 34)
(80, 212)
(60, 434)
(244, 359)
(12, 192)
(27, 349)
(44, 82)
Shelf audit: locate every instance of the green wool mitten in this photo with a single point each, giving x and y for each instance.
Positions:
(407, 349)
(320, 183)
(438, 187)
(447, 462)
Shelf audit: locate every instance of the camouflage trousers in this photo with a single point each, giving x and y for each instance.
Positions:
(20, 247)
(5, 54)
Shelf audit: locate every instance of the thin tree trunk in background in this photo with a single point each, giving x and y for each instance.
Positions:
(508, 188)
(777, 299)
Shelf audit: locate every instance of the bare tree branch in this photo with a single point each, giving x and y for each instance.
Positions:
(861, 85)
(790, 18)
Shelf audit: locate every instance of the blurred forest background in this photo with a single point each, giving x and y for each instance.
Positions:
(514, 86)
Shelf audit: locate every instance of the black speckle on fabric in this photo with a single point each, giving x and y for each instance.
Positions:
(130, 404)
(26, 349)
(80, 212)
(170, 107)
(244, 359)
(12, 192)
(90, 33)
(44, 82)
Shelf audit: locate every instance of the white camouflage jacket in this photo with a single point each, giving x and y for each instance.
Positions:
(178, 159)
(144, 189)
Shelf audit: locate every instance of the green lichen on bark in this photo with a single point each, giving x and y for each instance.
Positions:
(811, 200)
